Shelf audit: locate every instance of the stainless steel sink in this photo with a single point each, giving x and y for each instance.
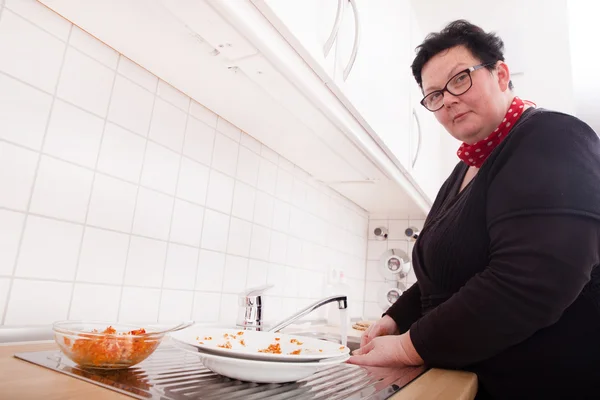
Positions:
(352, 342)
(174, 374)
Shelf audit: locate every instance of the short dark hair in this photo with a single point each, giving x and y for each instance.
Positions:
(486, 46)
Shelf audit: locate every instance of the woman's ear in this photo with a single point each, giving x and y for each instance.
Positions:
(503, 74)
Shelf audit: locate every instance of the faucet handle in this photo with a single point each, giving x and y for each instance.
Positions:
(250, 311)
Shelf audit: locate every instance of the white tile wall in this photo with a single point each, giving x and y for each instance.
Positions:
(36, 57)
(93, 47)
(17, 174)
(49, 249)
(175, 306)
(375, 279)
(85, 82)
(121, 153)
(115, 186)
(11, 227)
(85, 302)
(74, 135)
(24, 113)
(103, 256)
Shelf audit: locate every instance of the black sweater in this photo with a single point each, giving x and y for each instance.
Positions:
(504, 266)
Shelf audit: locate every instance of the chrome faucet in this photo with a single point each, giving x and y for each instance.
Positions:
(342, 304)
(250, 312)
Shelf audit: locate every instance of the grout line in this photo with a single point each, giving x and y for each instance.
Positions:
(237, 156)
(202, 235)
(114, 285)
(87, 212)
(162, 282)
(131, 235)
(37, 168)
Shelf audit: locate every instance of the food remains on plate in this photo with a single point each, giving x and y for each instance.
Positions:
(272, 349)
(227, 345)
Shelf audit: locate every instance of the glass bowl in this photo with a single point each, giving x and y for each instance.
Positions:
(105, 345)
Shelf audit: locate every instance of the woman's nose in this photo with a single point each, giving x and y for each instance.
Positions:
(449, 99)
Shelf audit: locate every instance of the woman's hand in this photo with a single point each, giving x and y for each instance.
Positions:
(387, 351)
(385, 326)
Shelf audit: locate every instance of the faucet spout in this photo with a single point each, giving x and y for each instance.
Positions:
(342, 304)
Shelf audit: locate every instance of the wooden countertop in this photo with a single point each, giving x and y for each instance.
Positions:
(22, 380)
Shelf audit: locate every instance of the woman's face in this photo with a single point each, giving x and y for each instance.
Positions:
(473, 115)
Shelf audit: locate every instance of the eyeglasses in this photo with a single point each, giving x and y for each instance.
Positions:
(457, 85)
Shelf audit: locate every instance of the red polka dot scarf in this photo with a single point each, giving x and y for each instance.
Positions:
(475, 154)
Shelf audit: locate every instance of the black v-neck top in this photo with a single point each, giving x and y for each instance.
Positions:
(512, 255)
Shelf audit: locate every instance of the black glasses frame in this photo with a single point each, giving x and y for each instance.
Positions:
(445, 89)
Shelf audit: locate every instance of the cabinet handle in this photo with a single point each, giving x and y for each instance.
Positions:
(356, 40)
(336, 27)
(414, 161)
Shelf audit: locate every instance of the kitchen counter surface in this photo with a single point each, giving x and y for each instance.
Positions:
(22, 380)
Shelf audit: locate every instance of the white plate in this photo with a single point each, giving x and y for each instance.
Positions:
(265, 371)
(248, 344)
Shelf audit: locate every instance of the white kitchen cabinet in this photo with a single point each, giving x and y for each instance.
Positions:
(230, 57)
(425, 150)
(310, 26)
(375, 85)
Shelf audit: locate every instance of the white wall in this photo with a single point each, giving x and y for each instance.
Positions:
(123, 199)
(536, 37)
(376, 283)
(585, 58)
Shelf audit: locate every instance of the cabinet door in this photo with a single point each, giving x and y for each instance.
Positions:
(375, 88)
(425, 151)
(425, 131)
(307, 25)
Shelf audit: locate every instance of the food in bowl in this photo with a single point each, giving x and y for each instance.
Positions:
(105, 346)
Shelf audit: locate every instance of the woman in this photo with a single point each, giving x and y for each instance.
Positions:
(506, 264)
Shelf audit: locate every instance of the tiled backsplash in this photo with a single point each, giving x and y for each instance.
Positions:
(122, 199)
(375, 280)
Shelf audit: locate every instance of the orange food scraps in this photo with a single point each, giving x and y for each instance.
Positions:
(208, 338)
(109, 347)
(342, 348)
(277, 338)
(299, 343)
(200, 342)
(240, 333)
(243, 343)
(296, 352)
(274, 348)
(227, 345)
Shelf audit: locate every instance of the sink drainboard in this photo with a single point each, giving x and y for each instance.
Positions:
(173, 374)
